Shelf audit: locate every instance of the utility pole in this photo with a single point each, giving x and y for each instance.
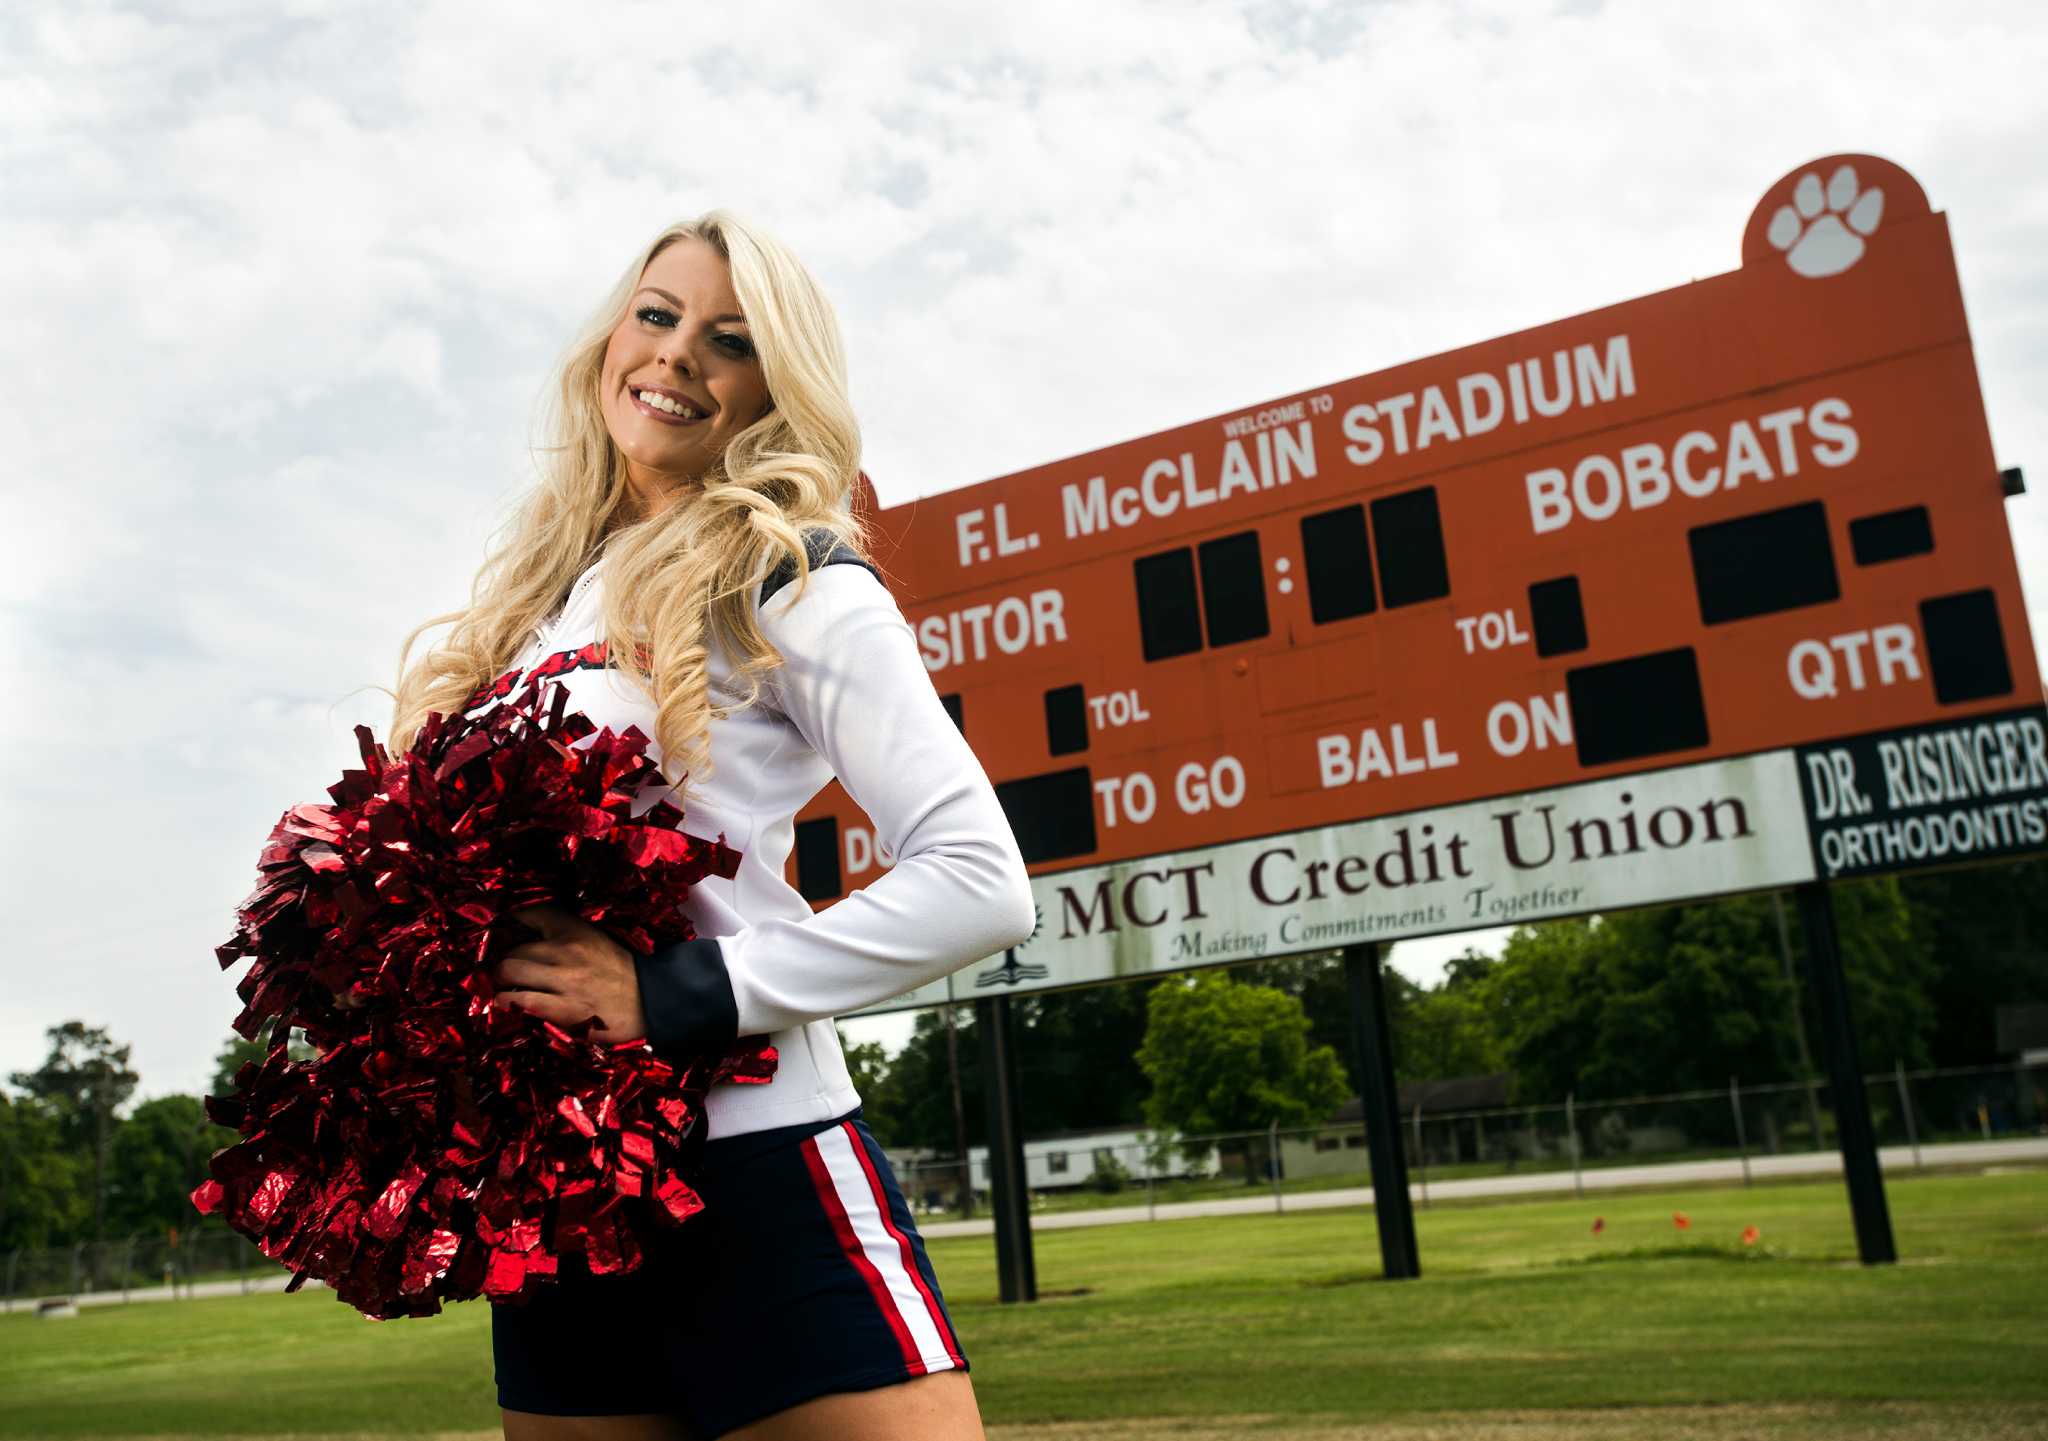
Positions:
(959, 1117)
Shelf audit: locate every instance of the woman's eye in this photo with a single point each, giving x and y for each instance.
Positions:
(737, 346)
(655, 315)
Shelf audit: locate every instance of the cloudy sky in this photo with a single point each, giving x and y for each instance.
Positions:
(284, 280)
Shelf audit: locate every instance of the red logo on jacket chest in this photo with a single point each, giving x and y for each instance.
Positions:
(594, 656)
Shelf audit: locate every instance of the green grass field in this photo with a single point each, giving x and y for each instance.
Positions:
(1525, 1324)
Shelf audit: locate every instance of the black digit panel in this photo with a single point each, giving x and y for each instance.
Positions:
(1557, 615)
(1169, 615)
(1965, 646)
(1646, 705)
(1233, 588)
(1338, 559)
(1408, 539)
(951, 701)
(1761, 564)
(1066, 720)
(817, 859)
(1874, 539)
(1053, 815)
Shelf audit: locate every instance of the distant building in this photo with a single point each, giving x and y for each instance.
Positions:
(1068, 1158)
(1339, 1146)
(1062, 1160)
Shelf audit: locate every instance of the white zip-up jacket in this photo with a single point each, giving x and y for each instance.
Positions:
(854, 700)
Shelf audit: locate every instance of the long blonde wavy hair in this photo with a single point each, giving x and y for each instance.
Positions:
(683, 578)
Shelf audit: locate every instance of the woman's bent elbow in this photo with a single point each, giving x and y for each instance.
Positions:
(1022, 911)
(999, 889)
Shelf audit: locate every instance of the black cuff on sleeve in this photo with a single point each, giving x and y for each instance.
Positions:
(686, 996)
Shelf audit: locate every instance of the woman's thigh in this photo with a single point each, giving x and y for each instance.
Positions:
(938, 1406)
(528, 1426)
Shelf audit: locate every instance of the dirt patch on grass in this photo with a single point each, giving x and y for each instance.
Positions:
(1903, 1422)
(1877, 1422)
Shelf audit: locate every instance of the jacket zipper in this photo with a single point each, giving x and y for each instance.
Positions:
(576, 590)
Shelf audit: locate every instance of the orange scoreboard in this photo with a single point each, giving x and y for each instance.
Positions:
(1707, 591)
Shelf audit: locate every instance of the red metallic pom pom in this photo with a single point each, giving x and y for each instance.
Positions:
(437, 1148)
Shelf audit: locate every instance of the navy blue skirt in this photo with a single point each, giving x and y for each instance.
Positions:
(804, 1275)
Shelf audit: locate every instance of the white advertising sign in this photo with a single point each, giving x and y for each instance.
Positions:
(1660, 836)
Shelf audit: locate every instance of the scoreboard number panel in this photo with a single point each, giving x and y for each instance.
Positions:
(1755, 516)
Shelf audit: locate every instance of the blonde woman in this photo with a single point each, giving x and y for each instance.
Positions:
(690, 563)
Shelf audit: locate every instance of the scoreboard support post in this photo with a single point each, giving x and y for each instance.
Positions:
(1398, 1257)
(1858, 1137)
(1009, 1195)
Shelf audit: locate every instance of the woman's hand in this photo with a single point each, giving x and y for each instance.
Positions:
(574, 970)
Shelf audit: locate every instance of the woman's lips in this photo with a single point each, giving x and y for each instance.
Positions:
(663, 416)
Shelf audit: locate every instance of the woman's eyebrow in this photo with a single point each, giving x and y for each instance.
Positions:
(716, 319)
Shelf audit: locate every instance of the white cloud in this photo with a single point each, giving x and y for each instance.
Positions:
(284, 282)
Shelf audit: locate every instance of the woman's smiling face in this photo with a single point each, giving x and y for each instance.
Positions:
(680, 375)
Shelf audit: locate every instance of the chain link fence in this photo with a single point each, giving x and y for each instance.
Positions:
(199, 1262)
(1081, 1171)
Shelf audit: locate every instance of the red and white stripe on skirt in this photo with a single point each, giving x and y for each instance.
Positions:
(853, 1196)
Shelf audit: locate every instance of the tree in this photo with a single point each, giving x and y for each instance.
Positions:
(1222, 1056)
(1675, 998)
(159, 1155)
(1076, 1056)
(917, 1095)
(1074, 1059)
(1451, 1029)
(84, 1081)
(1317, 980)
(869, 1066)
(43, 1198)
(1985, 929)
(1690, 995)
(1545, 996)
(1889, 963)
(868, 1063)
(1436, 1032)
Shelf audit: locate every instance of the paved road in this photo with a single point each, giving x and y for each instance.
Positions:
(1894, 1159)
(268, 1281)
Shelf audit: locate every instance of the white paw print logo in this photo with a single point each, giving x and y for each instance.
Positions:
(1822, 233)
